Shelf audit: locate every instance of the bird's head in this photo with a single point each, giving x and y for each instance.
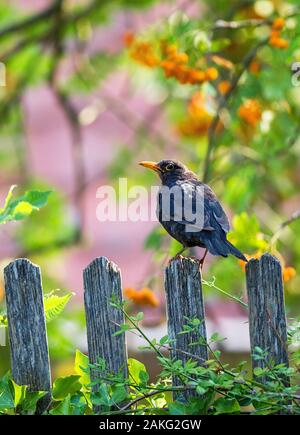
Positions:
(168, 169)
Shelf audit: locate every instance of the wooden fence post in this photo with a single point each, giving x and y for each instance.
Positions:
(184, 300)
(267, 321)
(102, 281)
(27, 328)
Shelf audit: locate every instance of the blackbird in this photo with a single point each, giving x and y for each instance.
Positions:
(208, 226)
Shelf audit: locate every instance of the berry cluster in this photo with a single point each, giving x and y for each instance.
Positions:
(199, 117)
(173, 62)
(275, 39)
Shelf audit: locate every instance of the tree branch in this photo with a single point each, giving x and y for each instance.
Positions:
(223, 103)
(30, 21)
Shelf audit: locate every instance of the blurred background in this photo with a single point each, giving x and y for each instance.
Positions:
(93, 87)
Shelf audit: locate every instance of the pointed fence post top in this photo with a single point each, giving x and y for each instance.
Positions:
(102, 263)
(266, 260)
(21, 263)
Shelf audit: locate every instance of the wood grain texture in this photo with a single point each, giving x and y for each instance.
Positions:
(267, 320)
(102, 281)
(27, 328)
(184, 300)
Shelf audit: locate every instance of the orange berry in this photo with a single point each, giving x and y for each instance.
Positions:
(256, 256)
(224, 86)
(211, 74)
(279, 42)
(145, 296)
(288, 273)
(275, 34)
(198, 120)
(250, 112)
(179, 58)
(181, 73)
(196, 76)
(143, 53)
(278, 23)
(168, 67)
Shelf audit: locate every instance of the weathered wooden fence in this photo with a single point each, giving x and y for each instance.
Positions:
(102, 281)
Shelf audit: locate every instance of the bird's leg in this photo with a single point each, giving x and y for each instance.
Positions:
(184, 248)
(201, 262)
(203, 258)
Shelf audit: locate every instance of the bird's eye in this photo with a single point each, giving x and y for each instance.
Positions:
(170, 167)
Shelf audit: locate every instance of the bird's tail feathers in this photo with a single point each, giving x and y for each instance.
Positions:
(218, 245)
(233, 250)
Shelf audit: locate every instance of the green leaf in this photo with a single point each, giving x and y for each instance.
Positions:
(177, 408)
(54, 305)
(63, 408)
(30, 401)
(200, 390)
(16, 209)
(258, 371)
(139, 316)
(223, 405)
(81, 367)
(19, 393)
(22, 210)
(6, 396)
(37, 198)
(144, 377)
(119, 394)
(164, 340)
(102, 397)
(216, 337)
(135, 369)
(66, 385)
(122, 329)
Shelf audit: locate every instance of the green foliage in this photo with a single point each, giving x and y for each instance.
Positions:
(137, 371)
(247, 234)
(81, 367)
(16, 399)
(6, 395)
(52, 228)
(66, 386)
(54, 304)
(226, 406)
(16, 209)
(217, 388)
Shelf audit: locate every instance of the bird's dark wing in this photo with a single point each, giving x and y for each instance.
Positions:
(200, 200)
(214, 211)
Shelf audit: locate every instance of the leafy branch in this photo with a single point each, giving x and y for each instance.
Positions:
(16, 209)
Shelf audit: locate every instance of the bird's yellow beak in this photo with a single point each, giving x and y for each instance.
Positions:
(150, 165)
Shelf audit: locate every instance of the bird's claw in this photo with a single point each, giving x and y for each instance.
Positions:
(176, 257)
